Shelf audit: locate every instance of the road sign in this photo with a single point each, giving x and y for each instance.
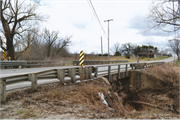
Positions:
(81, 58)
(4, 55)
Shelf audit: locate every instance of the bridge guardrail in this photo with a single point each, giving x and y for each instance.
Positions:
(61, 73)
(50, 63)
(76, 62)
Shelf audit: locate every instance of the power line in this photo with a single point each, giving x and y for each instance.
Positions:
(94, 11)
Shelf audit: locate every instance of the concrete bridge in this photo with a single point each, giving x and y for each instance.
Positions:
(35, 76)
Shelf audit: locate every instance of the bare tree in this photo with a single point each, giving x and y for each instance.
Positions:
(50, 39)
(39, 47)
(24, 42)
(116, 49)
(127, 48)
(53, 43)
(136, 50)
(175, 47)
(164, 16)
(17, 17)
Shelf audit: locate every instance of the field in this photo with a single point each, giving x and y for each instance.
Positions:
(134, 59)
(112, 58)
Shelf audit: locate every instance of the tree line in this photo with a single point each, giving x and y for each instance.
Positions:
(128, 49)
(21, 33)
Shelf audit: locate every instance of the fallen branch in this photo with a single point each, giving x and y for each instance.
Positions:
(162, 91)
(139, 102)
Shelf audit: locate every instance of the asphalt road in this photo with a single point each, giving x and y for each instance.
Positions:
(12, 72)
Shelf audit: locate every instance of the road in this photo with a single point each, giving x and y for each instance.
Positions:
(12, 72)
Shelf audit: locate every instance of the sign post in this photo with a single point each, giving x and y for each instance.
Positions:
(4, 55)
(81, 62)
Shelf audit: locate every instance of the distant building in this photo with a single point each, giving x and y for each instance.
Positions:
(151, 55)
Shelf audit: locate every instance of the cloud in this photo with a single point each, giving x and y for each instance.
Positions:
(137, 22)
(144, 27)
(77, 19)
(155, 33)
(159, 42)
(79, 25)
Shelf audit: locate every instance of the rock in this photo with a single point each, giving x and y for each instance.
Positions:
(106, 80)
(1, 109)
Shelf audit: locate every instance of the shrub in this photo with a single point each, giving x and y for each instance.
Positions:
(127, 56)
(117, 54)
(142, 57)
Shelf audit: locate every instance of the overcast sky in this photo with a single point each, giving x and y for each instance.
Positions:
(76, 17)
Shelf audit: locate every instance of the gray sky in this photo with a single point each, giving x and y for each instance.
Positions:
(76, 17)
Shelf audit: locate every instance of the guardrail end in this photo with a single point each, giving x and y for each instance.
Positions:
(3, 90)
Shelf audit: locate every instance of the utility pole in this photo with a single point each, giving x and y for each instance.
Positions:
(101, 48)
(108, 34)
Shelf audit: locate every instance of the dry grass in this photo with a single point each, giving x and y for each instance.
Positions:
(56, 97)
(112, 58)
(166, 72)
(168, 96)
(86, 94)
(134, 59)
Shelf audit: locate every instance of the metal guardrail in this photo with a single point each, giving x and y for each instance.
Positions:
(49, 63)
(76, 62)
(71, 72)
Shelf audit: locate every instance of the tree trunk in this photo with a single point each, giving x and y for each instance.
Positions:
(10, 48)
(9, 37)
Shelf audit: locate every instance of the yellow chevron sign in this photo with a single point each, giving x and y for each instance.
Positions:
(81, 58)
(4, 55)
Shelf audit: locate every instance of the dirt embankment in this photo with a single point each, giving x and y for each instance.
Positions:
(94, 99)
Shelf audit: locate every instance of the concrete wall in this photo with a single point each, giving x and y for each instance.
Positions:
(141, 80)
(138, 80)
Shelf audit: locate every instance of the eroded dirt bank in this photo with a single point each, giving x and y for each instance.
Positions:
(85, 100)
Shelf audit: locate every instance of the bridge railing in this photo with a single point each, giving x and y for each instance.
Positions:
(121, 67)
(76, 62)
(73, 72)
(50, 63)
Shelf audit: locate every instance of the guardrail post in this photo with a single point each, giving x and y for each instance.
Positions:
(109, 73)
(61, 75)
(52, 63)
(3, 90)
(33, 78)
(82, 73)
(72, 74)
(38, 63)
(126, 69)
(87, 73)
(96, 72)
(90, 72)
(119, 67)
(63, 63)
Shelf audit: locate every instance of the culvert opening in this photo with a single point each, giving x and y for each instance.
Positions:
(127, 95)
(156, 89)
